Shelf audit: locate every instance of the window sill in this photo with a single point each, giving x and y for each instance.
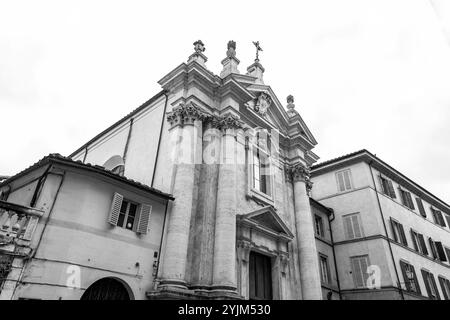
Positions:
(253, 193)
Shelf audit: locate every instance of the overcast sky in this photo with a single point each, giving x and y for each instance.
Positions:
(364, 74)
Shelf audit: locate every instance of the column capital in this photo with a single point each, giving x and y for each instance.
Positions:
(230, 121)
(186, 114)
(299, 172)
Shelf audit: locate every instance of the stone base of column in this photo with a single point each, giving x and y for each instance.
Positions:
(176, 293)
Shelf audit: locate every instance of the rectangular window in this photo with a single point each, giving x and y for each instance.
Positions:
(398, 232)
(421, 207)
(352, 226)
(419, 242)
(261, 172)
(344, 180)
(433, 248)
(124, 213)
(359, 270)
(319, 225)
(430, 285)
(388, 187)
(445, 287)
(406, 198)
(324, 269)
(447, 251)
(409, 277)
(440, 251)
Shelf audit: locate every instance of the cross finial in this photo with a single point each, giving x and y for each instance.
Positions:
(258, 49)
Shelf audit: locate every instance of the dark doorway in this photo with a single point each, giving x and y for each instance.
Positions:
(260, 277)
(106, 289)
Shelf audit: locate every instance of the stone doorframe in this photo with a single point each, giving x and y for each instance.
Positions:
(264, 232)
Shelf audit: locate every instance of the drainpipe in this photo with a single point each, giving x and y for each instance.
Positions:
(334, 253)
(385, 230)
(39, 185)
(160, 135)
(161, 242)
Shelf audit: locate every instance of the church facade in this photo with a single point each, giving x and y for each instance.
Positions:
(235, 160)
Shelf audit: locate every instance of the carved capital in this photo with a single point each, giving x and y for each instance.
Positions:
(298, 172)
(230, 121)
(186, 114)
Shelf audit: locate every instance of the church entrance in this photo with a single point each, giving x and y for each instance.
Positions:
(260, 277)
(106, 289)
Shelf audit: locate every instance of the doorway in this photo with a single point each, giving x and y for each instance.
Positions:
(260, 277)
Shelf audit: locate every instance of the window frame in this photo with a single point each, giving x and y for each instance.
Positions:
(430, 285)
(346, 231)
(364, 274)
(126, 215)
(323, 261)
(407, 280)
(350, 180)
(322, 229)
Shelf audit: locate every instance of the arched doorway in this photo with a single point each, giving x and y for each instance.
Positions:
(106, 289)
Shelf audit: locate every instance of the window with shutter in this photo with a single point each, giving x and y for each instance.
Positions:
(359, 270)
(391, 190)
(421, 207)
(445, 287)
(115, 209)
(409, 277)
(423, 246)
(415, 239)
(440, 251)
(398, 232)
(344, 180)
(447, 250)
(438, 218)
(324, 269)
(319, 225)
(388, 187)
(144, 218)
(352, 226)
(430, 285)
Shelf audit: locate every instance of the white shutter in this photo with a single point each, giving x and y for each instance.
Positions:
(144, 218)
(348, 227)
(115, 208)
(341, 183)
(357, 273)
(348, 184)
(356, 226)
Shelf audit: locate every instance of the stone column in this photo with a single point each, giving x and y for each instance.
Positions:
(224, 265)
(186, 121)
(306, 242)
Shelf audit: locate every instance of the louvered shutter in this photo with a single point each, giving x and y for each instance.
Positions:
(414, 240)
(391, 190)
(115, 209)
(416, 281)
(348, 227)
(440, 251)
(411, 203)
(356, 226)
(426, 279)
(403, 266)
(421, 208)
(447, 250)
(433, 283)
(447, 217)
(394, 230)
(364, 266)
(144, 218)
(341, 181)
(346, 175)
(433, 248)
(422, 244)
(357, 273)
(441, 219)
(443, 283)
(402, 234)
(383, 187)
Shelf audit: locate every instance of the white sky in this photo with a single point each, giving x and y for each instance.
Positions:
(364, 74)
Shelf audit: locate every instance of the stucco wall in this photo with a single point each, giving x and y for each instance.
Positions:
(78, 234)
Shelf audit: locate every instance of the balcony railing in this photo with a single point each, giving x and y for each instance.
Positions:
(17, 223)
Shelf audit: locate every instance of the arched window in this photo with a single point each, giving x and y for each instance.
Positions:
(115, 164)
(106, 289)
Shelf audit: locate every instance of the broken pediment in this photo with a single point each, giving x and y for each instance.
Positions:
(267, 221)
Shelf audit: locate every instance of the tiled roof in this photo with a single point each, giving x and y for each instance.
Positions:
(57, 158)
(346, 156)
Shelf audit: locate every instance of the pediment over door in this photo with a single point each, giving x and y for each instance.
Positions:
(267, 221)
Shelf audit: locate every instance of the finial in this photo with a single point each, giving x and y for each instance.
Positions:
(199, 47)
(258, 48)
(231, 52)
(291, 106)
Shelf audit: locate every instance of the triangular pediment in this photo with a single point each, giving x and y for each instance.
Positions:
(266, 219)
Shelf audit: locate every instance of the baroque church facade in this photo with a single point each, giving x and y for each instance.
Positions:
(235, 160)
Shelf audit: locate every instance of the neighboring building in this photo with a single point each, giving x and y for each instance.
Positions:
(386, 220)
(241, 224)
(67, 226)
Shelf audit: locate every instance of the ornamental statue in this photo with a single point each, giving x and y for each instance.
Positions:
(231, 52)
(199, 47)
(263, 103)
